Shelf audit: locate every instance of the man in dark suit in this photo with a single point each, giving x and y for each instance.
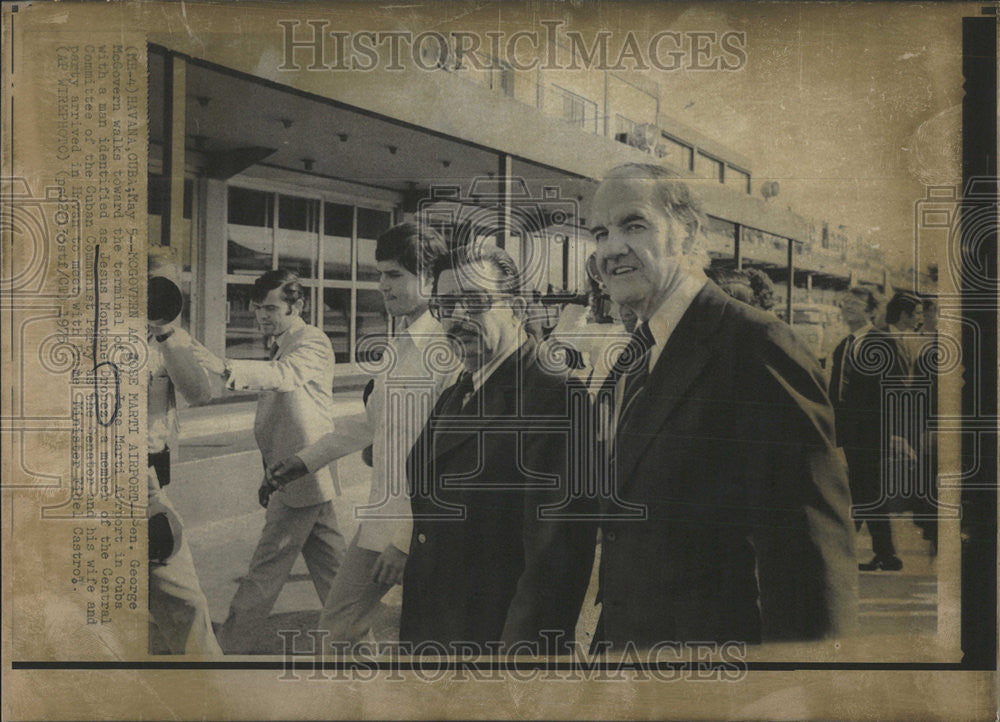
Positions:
(858, 306)
(723, 433)
(488, 561)
(879, 361)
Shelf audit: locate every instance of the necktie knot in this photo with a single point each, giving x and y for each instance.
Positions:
(464, 386)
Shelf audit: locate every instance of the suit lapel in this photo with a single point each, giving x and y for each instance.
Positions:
(682, 361)
(496, 397)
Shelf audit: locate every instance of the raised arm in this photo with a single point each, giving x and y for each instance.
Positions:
(309, 360)
(183, 367)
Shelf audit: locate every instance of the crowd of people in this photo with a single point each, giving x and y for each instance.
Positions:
(703, 457)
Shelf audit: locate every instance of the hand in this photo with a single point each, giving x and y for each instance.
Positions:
(209, 361)
(264, 493)
(286, 471)
(388, 568)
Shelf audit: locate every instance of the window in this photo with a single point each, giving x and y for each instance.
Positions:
(576, 109)
(371, 224)
(677, 154)
(329, 244)
(624, 129)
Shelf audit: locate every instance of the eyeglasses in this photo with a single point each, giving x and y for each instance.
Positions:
(475, 303)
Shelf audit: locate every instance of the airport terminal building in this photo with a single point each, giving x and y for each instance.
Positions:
(252, 167)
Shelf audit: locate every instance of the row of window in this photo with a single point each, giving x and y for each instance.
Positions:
(329, 245)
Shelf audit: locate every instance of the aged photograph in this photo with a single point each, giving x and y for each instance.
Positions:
(546, 339)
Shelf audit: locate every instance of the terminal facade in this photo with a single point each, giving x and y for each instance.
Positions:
(251, 169)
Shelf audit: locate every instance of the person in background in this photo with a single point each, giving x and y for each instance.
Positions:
(925, 509)
(878, 357)
(763, 289)
(735, 282)
(401, 398)
(294, 410)
(858, 306)
(178, 610)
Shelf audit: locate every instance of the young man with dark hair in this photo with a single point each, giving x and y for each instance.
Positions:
(294, 409)
(489, 564)
(396, 410)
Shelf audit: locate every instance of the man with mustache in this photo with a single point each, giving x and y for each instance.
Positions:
(492, 558)
(723, 434)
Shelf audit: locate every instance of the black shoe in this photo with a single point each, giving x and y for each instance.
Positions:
(888, 564)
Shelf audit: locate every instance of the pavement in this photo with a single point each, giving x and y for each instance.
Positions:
(214, 487)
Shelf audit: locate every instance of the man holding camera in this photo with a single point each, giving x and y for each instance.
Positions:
(177, 607)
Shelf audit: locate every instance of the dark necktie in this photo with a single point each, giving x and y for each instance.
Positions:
(272, 351)
(839, 370)
(459, 392)
(633, 365)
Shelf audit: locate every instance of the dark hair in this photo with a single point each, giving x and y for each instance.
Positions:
(474, 254)
(734, 282)
(415, 247)
(902, 302)
(763, 288)
(869, 295)
(674, 192)
(288, 282)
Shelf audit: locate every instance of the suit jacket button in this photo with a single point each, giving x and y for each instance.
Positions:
(610, 536)
(421, 538)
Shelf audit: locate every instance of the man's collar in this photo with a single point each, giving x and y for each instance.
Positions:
(423, 330)
(282, 338)
(665, 318)
(863, 330)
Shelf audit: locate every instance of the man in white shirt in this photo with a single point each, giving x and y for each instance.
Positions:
(294, 410)
(397, 409)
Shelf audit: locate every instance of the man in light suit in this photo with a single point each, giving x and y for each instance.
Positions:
(295, 409)
(395, 412)
(488, 563)
(724, 435)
